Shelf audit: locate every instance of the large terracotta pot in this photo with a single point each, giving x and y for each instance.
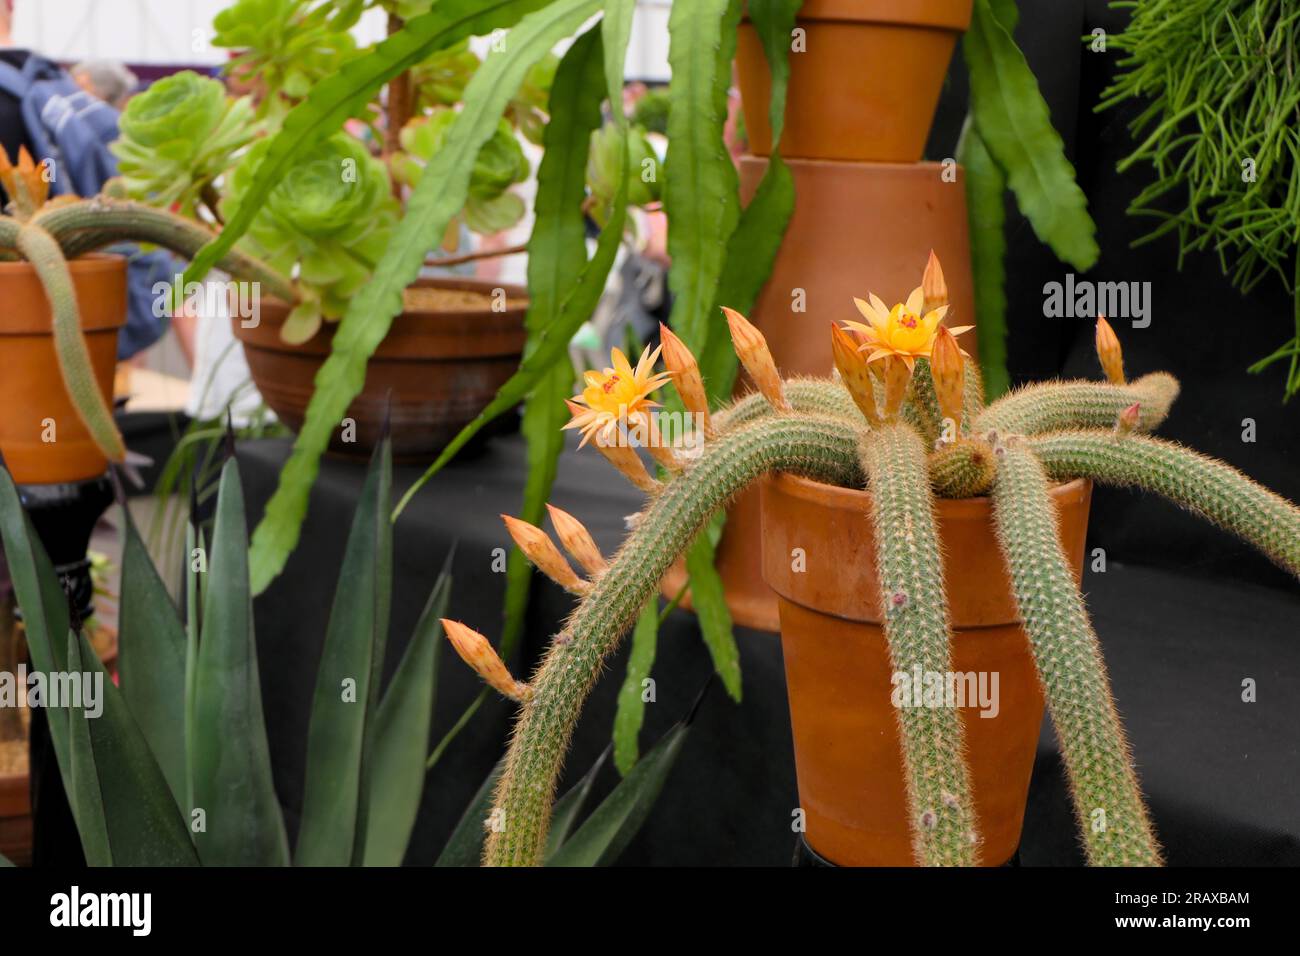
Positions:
(856, 228)
(443, 366)
(866, 84)
(847, 751)
(31, 386)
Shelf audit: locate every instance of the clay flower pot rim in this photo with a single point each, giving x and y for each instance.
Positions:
(90, 262)
(940, 14)
(834, 496)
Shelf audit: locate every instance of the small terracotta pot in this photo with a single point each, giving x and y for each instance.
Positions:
(443, 368)
(16, 818)
(838, 673)
(856, 228)
(866, 84)
(31, 386)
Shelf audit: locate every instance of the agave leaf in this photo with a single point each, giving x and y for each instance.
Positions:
(346, 692)
(397, 748)
(465, 845)
(613, 824)
(557, 254)
(566, 810)
(1016, 126)
(151, 658)
(709, 600)
(631, 704)
(232, 762)
(140, 816)
(439, 196)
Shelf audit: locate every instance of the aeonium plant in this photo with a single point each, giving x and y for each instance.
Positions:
(905, 419)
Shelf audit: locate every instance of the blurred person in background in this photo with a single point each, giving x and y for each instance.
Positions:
(45, 111)
(108, 80)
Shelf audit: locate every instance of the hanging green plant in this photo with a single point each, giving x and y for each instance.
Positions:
(1221, 131)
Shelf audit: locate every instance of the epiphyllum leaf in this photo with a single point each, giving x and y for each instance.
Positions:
(906, 330)
(620, 392)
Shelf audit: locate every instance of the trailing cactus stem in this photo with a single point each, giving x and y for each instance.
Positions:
(1054, 406)
(1107, 800)
(922, 407)
(40, 249)
(91, 224)
(816, 446)
(1207, 487)
(915, 609)
(810, 396)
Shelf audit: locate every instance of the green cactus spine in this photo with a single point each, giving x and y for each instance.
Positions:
(915, 609)
(1107, 800)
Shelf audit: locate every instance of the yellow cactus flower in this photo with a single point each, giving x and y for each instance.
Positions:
(906, 331)
(618, 393)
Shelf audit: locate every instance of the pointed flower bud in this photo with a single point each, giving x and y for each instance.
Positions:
(754, 354)
(679, 360)
(1128, 419)
(659, 449)
(898, 374)
(1109, 352)
(577, 540)
(854, 372)
(477, 651)
(949, 374)
(933, 286)
(541, 550)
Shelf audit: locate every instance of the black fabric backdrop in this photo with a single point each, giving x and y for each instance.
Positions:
(1185, 612)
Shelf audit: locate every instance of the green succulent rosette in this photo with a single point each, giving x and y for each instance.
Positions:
(288, 46)
(327, 222)
(441, 79)
(177, 136)
(645, 170)
(501, 164)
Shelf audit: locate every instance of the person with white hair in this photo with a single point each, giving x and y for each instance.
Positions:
(108, 80)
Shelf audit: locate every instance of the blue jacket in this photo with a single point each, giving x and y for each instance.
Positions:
(72, 128)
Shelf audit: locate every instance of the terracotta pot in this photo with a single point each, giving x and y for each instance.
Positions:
(866, 84)
(443, 367)
(31, 386)
(839, 677)
(856, 228)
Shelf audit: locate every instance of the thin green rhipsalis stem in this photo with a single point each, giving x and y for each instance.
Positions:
(915, 606)
(1107, 800)
(1209, 488)
(820, 448)
(42, 251)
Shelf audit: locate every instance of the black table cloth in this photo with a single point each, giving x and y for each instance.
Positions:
(1220, 774)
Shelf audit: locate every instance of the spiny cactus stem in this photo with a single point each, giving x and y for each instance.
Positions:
(1054, 406)
(1209, 488)
(962, 469)
(818, 447)
(1108, 803)
(82, 227)
(809, 396)
(941, 811)
(40, 249)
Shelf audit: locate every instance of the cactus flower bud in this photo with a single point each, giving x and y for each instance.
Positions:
(898, 374)
(854, 372)
(577, 540)
(679, 360)
(949, 374)
(541, 550)
(1128, 419)
(477, 651)
(933, 286)
(754, 354)
(1109, 352)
